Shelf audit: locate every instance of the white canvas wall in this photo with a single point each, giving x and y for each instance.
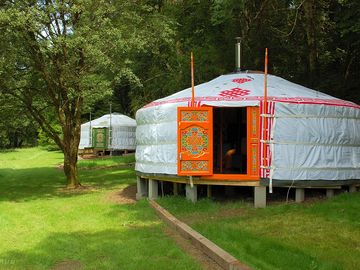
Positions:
(316, 142)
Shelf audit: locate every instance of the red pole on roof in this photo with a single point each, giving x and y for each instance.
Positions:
(265, 110)
(192, 81)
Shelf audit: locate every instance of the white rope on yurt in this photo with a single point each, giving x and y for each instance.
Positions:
(272, 151)
(287, 194)
(191, 181)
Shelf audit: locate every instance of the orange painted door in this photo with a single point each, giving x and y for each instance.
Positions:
(253, 141)
(195, 143)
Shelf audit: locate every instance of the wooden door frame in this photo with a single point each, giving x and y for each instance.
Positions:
(253, 153)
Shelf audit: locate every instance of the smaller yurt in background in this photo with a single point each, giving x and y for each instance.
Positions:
(110, 133)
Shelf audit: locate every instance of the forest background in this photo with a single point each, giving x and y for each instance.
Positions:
(313, 43)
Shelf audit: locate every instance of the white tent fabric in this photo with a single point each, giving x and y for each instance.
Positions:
(314, 136)
(123, 131)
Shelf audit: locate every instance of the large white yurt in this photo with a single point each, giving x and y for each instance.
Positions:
(112, 132)
(298, 137)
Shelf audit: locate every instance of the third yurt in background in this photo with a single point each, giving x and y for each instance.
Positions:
(111, 133)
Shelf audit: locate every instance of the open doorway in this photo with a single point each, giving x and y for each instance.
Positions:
(230, 140)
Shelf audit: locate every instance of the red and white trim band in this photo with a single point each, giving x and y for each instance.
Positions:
(297, 100)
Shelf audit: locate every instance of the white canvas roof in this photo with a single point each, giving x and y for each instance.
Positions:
(314, 136)
(248, 88)
(117, 119)
(123, 131)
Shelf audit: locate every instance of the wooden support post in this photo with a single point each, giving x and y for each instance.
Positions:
(191, 193)
(175, 189)
(259, 197)
(299, 195)
(141, 188)
(153, 189)
(209, 191)
(329, 193)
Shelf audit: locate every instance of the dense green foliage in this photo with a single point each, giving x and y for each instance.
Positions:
(16, 128)
(60, 57)
(310, 42)
(44, 226)
(314, 43)
(321, 235)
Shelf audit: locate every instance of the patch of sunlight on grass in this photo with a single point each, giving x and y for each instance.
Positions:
(29, 158)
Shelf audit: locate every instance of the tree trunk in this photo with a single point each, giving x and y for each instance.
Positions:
(71, 140)
(70, 164)
(312, 28)
(70, 168)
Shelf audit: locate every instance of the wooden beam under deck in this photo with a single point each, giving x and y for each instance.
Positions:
(250, 182)
(198, 180)
(334, 184)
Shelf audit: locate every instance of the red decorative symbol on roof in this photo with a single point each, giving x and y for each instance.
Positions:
(234, 92)
(241, 80)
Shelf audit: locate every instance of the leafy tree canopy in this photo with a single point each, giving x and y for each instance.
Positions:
(60, 57)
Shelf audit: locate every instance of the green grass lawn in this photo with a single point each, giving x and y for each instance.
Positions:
(41, 225)
(318, 235)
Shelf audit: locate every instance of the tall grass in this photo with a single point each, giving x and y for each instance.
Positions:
(321, 235)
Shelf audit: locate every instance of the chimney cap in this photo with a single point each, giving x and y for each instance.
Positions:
(238, 55)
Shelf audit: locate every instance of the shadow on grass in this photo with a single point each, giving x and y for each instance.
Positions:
(8, 150)
(107, 178)
(47, 182)
(135, 242)
(131, 248)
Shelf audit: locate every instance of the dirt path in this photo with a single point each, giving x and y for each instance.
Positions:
(68, 265)
(191, 250)
(124, 196)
